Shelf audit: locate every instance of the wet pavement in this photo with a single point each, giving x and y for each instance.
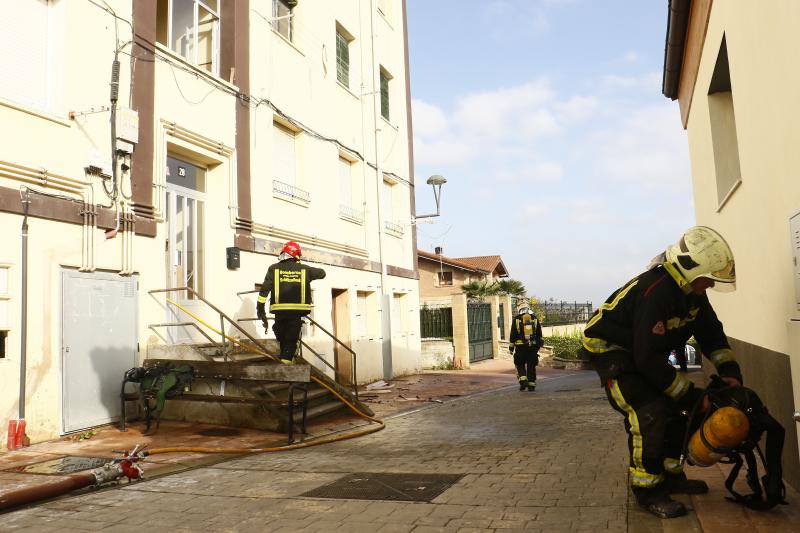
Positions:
(550, 460)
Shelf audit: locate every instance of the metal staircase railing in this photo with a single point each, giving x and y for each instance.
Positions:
(352, 379)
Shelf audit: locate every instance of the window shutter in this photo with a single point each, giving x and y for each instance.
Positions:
(345, 182)
(24, 61)
(283, 155)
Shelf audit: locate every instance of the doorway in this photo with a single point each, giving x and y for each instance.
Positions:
(340, 318)
(184, 248)
(99, 314)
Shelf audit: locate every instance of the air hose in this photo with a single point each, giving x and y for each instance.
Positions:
(325, 440)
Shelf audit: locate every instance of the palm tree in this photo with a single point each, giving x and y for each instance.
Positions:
(478, 290)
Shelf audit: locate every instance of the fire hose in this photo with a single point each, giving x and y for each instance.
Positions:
(127, 466)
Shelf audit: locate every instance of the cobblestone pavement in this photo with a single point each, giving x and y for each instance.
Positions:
(552, 460)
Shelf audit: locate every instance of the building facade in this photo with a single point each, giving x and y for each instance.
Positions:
(732, 67)
(479, 329)
(238, 125)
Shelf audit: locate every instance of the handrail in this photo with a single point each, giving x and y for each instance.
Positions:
(354, 374)
(224, 317)
(194, 325)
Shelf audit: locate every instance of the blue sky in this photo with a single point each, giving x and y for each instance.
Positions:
(547, 119)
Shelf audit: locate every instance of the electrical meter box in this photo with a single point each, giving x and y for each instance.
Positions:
(232, 256)
(128, 125)
(794, 227)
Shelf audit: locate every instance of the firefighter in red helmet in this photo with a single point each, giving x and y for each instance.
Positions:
(288, 285)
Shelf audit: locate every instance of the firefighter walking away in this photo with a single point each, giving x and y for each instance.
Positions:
(288, 286)
(524, 343)
(629, 339)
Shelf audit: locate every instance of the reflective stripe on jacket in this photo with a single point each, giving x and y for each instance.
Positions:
(647, 318)
(526, 331)
(288, 283)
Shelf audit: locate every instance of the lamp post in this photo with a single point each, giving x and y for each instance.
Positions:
(436, 181)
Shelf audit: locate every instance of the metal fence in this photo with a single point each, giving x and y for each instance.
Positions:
(436, 322)
(557, 313)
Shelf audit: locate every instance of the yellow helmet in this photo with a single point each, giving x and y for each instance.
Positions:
(703, 253)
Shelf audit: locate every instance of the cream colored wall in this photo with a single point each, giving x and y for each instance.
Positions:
(764, 78)
(297, 83)
(762, 312)
(300, 79)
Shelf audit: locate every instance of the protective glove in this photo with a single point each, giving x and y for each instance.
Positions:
(690, 399)
(262, 315)
(511, 349)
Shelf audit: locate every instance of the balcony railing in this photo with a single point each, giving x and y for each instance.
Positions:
(353, 215)
(393, 228)
(284, 190)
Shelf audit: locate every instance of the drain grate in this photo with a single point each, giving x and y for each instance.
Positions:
(389, 487)
(220, 432)
(65, 465)
(568, 390)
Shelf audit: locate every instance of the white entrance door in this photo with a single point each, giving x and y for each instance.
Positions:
(185, 215)
(98, 337)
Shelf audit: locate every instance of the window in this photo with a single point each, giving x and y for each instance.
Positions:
(343, 40)
(445, 279)
(723, 128)
(5, 311)
(283, 17)
(388, 201)
(362, 314)
(32, 53)
(190, 28)
(284, 157)
(385, 77)
(398, 318)
(345, 182)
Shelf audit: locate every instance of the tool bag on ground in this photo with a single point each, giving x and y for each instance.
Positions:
(769, 491)
(161, 382)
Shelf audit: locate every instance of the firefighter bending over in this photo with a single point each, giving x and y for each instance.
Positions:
(629, 339)
(524, 343)
(289, 284)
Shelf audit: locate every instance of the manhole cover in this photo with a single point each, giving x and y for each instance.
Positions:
(392, 487)
(219, 432)
(64, 465)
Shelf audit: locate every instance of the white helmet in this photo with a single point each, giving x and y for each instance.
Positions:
(703, 253)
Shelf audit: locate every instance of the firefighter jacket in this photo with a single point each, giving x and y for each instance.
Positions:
(526, 331)
(646, 318)
(288, 283)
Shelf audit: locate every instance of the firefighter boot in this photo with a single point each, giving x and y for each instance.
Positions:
(523, 383)
(679, 484)
(656, 500)
(531, 385)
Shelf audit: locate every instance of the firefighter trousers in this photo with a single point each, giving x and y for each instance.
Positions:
(654, 425)
(287, 326)
(525, 359)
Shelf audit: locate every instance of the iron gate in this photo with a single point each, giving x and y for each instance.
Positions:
(479, 324)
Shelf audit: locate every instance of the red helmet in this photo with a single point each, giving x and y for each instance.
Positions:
(293, 249)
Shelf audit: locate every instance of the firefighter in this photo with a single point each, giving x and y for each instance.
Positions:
(629, 339)
(524, 343)
(288, 283)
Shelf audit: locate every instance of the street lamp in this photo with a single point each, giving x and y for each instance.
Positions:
(436, 181)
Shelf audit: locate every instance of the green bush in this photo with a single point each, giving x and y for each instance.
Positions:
(566, 346)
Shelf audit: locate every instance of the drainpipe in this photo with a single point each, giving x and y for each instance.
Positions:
(386, 319)
(23, 333)
(677, 25)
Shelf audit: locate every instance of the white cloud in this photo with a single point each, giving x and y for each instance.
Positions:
(649, 82)
(498, 124)
(646, 150)
(631, 56)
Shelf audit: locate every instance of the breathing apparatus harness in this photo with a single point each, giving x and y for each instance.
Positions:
(720, 394)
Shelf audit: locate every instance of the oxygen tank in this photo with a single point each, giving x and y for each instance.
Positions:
(725, 429)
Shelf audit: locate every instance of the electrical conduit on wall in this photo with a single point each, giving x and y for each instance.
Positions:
(80, 188)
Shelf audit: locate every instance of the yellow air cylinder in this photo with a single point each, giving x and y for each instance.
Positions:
(727, 427)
